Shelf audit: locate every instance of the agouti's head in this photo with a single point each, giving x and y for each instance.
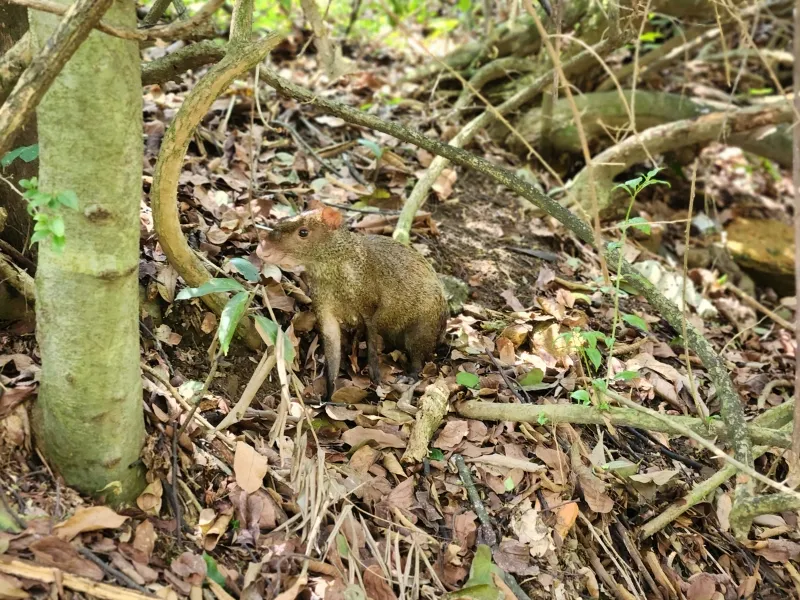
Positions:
(300, 239)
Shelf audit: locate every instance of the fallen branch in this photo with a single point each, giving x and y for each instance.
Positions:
(664, 138)
(778, 417)
(17, 279)
(79, 20)
(432, 409)
(59, 578)
(241, 56)
(175, 30)
(577, 414)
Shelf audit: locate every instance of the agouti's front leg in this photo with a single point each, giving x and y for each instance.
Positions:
(332, 346)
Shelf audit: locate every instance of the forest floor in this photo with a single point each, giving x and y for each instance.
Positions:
(327, 504)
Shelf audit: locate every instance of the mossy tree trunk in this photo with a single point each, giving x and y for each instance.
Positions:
(89, 414)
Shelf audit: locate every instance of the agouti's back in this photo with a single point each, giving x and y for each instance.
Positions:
(368, 280)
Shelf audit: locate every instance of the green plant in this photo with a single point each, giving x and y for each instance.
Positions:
(24, 153)
(45, 209)
(237, 306)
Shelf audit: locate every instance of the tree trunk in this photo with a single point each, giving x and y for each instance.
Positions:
(13, 25)
(89, 413)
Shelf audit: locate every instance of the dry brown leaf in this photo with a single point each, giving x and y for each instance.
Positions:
(514, 557)
(565, 519)
(505, 348)
(701, 587)
(190, 567)
(93, 518)
(349, 395)
(55, 552)
(452, 434)
(11, 587)
(149, 501)
(359, 435)
(376, 586)
(363, 458)
(465, 529)
(144, 540)
(249, 466)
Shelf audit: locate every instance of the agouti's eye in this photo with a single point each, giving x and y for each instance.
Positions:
(303, 232)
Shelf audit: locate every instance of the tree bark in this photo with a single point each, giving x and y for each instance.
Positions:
(89, 419)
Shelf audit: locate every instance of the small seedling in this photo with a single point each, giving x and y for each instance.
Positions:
(46, 212)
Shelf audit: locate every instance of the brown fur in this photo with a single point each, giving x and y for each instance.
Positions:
(368, 281)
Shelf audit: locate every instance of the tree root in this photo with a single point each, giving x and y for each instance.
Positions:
(604, 111)
(240, 58)
(79, 20)
(432, 409)
(663, 138)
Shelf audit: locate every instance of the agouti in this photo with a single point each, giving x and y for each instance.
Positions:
(367, 282)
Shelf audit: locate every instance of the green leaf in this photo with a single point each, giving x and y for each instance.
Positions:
(246, 268)
(480, 572)
(542, 419)
(29, 184)
(623, 468)
(466, 379)
(532, 377)
(231, 315)
(639, 223)
(592, 337)
(581, 396)
(39, 236)
(68, 199)
(373, 147)
(57, 226)
(212, 571)
(761, 91)
(212, 286)
(627, 375)
(600, 384)
(24, 153)
(435, 454)
(651, 36)
(508, 484)
(595, 357)
(342, 546)
(635, 321)
(270, 328)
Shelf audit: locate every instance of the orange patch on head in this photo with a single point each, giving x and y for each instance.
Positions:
(331, 217)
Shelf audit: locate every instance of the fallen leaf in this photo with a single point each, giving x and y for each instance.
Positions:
(93, 518)
(565, 519)
(359, 435)
(452, 434)
(249, 466)
(55, 552)
(376, 586)
(701, 587)
(191, 567)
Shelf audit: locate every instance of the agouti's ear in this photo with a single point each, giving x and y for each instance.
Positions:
(331, 217)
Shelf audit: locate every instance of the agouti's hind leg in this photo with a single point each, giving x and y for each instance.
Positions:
(419, 345)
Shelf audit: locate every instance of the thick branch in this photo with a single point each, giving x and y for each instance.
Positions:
(163, 196)
(173, 65)
(577, 414)
(175, 30)
(79, 20)
(670, 136)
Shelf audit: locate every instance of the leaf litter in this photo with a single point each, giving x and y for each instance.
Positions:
(329, 510)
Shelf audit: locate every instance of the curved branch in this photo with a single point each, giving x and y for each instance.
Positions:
(174, 30)
(241, 57)
(79, 20)
(670, 136)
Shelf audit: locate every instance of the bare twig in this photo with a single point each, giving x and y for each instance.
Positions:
(79, 19)
(175, 30)
(173, 65)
